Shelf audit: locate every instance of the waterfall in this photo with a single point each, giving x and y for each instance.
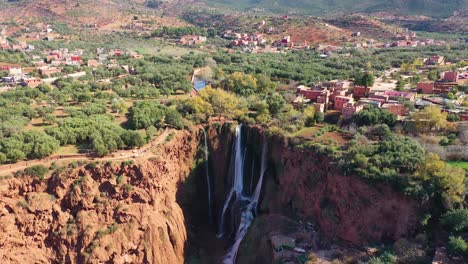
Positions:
(208, 181)
(248, 212)
(238, 176)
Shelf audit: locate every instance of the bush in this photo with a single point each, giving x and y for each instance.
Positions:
(36, 171)
(457, 246)
(456, 220)
(372, 116)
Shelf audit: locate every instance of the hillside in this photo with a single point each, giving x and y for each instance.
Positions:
(434, 8)
(101, 14)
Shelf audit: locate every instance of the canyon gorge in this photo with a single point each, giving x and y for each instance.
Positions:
(217, 194)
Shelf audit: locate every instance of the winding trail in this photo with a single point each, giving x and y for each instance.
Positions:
(143, 152)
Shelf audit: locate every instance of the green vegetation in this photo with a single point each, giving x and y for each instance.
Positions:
(456, 220)
(176, 32)
(145, 114)
(372, 116)
(35, 171)
(457, 246)
(459, 164)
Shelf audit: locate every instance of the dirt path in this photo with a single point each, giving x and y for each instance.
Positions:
(143, 152)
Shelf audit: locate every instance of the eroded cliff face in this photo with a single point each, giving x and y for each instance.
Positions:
(311, 187)
(113, 213)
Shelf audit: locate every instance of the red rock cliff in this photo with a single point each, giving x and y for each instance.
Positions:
(311, 187)
(109, 214)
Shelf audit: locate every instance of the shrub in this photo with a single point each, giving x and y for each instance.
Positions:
(456, 220)
(36, 171)
(457, 246)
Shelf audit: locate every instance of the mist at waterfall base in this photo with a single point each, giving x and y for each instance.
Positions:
(239, 199)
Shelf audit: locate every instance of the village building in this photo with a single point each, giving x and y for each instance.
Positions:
(93, 63)
(372, 101)
(394, 95)
(395, 108)
(31, 82)
(310, 93)
(300, 101)
(341, 101)
(361, 91)
(425, 87)
(435, 60)
(349, 109)
(189, 40)
(451, 76)
(319, 107)
(49, 71)
(441, 87)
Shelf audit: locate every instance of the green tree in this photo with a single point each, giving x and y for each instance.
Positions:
(457, 246)
(133, 139)
(371, 115)
(433, 74)
(119, 106)
(275, 103)
(430, 118)
(367, 79)
(456, 220)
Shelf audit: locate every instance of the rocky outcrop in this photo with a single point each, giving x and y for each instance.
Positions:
(111, 213)
(311, 187)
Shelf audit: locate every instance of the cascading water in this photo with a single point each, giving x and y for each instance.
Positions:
(208, 180)
(248, 211)
(238, 179)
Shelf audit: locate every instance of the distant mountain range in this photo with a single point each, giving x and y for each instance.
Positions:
(433, 8)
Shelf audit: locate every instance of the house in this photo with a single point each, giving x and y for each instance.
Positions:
(189, 40)
(361, 91)
(309, 93)
(93, 63)
(340, 101)
(324, 97)
(435, 60)
(372, 101)
(116, 52)
(12, 69)
(444, 87)
(319, 107)
(395, 108)
(451, 76)
(300, 100)
(349, 109)
(31, 82)
(138, 56)
(49, 71)
(425, 87)
(395, 95)
(285, 42)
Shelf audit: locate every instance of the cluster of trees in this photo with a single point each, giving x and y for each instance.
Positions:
(247, 84)
(213, 102)
(402, 162)
(431, 118)
(175, 32)
(456, 221)
(27, 144)
(99, 132)
(366, 79)
(372, 115)
(383, 161)
(149, 113)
